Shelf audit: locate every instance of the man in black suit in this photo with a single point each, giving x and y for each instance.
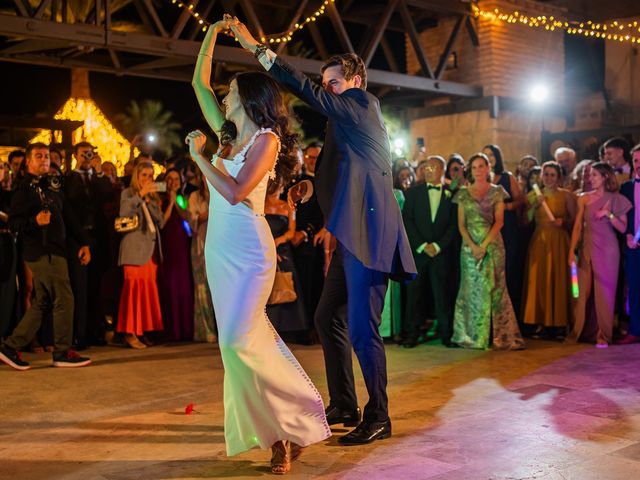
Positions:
(87, 190)
(431, 220)
(355, 192)
(307, 253)
(631, 190)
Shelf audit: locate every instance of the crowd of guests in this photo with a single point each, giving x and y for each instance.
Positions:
(89, 257)
(127, 253)
(548, 251)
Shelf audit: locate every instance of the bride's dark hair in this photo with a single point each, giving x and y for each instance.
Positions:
(263, 103)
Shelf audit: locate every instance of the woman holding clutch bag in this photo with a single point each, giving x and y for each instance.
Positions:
(139, 310)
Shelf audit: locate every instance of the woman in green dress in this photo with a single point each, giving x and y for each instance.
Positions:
(483, 306)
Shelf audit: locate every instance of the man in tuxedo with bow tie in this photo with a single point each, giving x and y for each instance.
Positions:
(631, 190)
(616, 154)
(87, 189)
(431, 221)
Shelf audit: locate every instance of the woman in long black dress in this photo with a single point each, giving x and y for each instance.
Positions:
(291, 317)
(514, 258)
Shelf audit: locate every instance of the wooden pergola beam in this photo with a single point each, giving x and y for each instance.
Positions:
(336, 20)
(447, 49)
(155, 18)
(318, 41)
(378, 32)
(415, 39)
(253, 19)
(184, 17)
(44, 4)
(196, 28)
(295, 19)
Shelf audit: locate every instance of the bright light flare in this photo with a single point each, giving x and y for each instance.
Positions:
(539, 94)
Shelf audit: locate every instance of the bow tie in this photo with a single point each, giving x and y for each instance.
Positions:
(433, 187)
(636, 180)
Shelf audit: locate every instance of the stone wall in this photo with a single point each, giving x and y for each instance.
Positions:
(622, 73)
(518, 133)
(510, 57)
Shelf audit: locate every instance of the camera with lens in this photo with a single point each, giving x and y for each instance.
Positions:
(48, 182)
(311, 232)
(89, 154)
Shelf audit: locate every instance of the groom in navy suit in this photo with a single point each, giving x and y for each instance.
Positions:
(355, 192)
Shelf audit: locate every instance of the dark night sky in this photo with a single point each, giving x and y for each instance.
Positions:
(30, 90)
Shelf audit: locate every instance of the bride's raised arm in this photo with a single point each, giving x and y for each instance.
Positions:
(201, 81)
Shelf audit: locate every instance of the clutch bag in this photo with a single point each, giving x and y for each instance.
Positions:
(127, 224)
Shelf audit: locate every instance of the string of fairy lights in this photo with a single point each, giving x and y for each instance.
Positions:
(282, 37)
(614, 31)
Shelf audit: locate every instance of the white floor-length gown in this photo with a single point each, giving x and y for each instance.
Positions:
(267, 395)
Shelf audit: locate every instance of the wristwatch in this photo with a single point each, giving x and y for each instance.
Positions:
(611, 216)
(260, 50)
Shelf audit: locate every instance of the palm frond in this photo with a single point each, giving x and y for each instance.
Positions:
(149, 116)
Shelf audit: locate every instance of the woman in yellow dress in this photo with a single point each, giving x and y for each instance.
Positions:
(547, 284)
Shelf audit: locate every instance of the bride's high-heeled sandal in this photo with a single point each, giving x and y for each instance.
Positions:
(296, 451)
(280, 458)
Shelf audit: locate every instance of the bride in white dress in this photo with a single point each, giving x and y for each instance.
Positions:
(269, 400)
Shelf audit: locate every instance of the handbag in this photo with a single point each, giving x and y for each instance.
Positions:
(127, 224)
(283, 290)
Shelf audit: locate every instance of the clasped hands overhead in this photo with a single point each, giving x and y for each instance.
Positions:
(232, 26)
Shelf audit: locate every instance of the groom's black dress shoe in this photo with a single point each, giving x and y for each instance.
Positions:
(367, 432)
(410, 343)
(350, 418)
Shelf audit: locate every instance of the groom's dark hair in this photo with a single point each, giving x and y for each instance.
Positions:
(351, 64)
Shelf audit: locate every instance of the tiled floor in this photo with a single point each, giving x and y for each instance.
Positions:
(549, 412)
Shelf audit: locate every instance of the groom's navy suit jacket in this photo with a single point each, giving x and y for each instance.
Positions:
(354, 182)
(627, 190)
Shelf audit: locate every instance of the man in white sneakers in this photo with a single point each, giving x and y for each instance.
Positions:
(41, 217)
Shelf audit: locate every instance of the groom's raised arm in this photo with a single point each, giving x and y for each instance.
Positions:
(344, 107)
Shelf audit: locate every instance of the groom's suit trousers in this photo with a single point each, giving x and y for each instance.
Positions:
(362, 290)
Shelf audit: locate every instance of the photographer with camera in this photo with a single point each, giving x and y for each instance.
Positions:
(41, 216)
(89, 191)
